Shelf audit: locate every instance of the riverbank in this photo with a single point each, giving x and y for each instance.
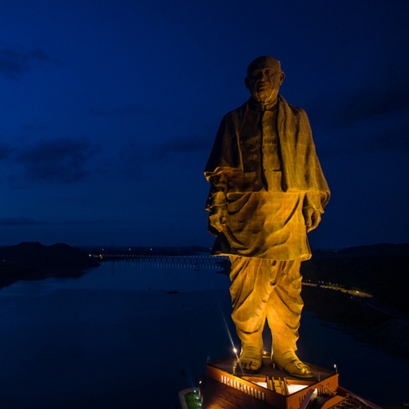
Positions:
(125, 332)
(362, 318)
(34, 261)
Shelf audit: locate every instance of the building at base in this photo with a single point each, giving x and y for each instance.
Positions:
(226, 386)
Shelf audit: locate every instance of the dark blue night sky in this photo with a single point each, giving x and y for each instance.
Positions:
(109, 110)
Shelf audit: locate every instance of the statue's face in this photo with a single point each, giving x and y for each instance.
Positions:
(264, 78)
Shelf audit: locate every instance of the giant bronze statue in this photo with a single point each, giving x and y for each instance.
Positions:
(267, 192)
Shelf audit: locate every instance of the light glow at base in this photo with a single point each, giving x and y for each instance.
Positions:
(293, 388)
(262, 384)
(235, 351)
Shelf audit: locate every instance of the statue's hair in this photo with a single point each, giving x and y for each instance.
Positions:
(258, 60)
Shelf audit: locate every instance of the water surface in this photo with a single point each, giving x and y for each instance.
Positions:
(128, 334)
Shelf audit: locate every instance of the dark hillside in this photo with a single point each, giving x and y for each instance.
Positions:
(381, 270)
(381, 321)
(29, 261)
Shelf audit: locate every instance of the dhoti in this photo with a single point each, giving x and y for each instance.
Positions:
(264, 289)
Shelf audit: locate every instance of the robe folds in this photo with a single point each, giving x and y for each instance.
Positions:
(265, 220)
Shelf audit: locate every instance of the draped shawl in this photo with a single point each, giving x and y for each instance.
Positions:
(301, 168)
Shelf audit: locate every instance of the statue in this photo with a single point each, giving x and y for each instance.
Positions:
(267, 192)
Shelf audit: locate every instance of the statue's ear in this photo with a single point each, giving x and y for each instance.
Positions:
(282, 76)
(246, 83)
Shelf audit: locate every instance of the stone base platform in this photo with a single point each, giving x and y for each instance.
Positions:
(226, 386)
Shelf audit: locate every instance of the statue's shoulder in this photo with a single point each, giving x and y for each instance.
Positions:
(236, 114)
(292, 109)
(230, 123)
(237, 111)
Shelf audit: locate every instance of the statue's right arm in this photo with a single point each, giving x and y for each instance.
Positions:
(216, 202)
(223, 160)
(217, 217)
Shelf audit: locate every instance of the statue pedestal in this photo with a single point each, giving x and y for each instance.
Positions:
(226, 386)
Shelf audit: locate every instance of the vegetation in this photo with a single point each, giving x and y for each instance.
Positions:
(34, 261)
(381, 270)
(192, 400)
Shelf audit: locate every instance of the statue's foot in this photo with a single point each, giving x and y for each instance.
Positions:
(290, 363)
(250, 359)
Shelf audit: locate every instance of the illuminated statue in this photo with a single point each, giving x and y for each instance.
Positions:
(267, 191)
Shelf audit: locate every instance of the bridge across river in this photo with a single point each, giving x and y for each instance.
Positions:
(195, 262)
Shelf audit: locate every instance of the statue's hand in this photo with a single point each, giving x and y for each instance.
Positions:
(312, 218)
(217, 217)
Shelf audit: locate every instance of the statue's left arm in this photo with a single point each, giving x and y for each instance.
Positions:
(312, 209)
(308, 175)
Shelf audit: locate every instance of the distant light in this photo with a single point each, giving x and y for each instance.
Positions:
(235, 350)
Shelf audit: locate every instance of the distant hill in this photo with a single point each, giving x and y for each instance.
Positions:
(32, 260)
(382, 249)
(381, 269)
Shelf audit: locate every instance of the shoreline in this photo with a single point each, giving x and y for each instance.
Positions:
(354, 315)
(96, 333)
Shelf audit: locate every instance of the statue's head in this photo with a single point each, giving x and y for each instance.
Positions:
(264, 77)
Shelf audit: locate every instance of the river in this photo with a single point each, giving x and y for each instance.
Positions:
(129, 334)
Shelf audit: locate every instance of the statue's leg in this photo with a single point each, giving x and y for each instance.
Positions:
(249, 294)
(283, 314)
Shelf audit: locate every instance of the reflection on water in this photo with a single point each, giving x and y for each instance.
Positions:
(134, 275)
(111, 338)
(371, 373)
(125, 333)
